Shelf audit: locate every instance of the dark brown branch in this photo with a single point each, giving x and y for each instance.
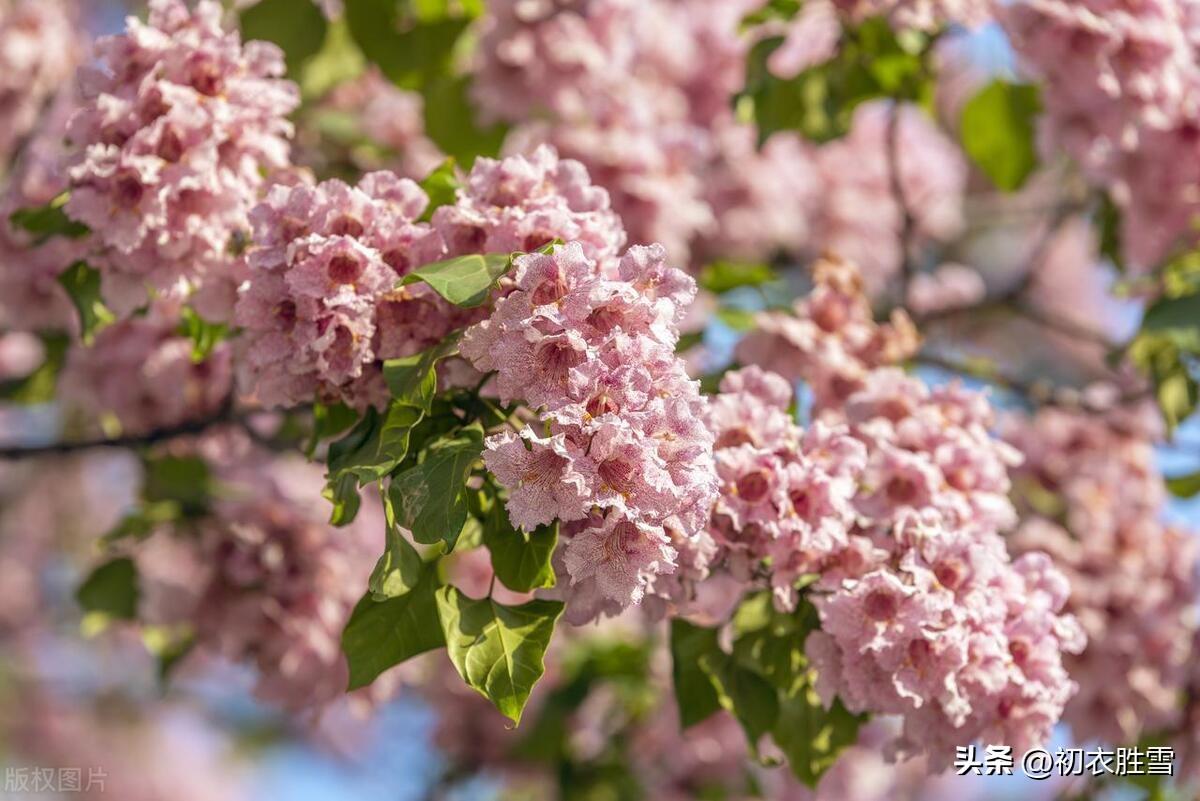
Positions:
(154, 436)
(907, 221)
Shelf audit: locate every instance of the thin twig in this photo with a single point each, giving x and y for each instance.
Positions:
(907, 221)
(224, 415)
(1038, 392)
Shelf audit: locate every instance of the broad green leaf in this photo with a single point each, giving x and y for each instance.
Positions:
(413, 379)
(442, 186)
(694, 693)
(329, 421)
(1169, 358)
(182, 480)
(1187, 486)
(82, 283)
(498, 650)
(400, 567)
(297, 26)
(1173, 313)
(872, 62)
(343, 494)
(338, 61)
(430, 499)
(737, 319)
(521, 560)
(450, 121)
(465, 281)
(204, 335)
(997, 131)
(743, 693)
(409, 51)
(142, 522)
(376, 446)
(382, 634)
(49, 220)
(811, 736)
(722, 276)
(111, 589)
(39, 386)
(771, 643)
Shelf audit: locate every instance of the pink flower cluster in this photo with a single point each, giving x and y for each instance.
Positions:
(141, 372)
(1122, 97)
(179, 124)
(1093, 499)
(641, 93)
(40, 46)
(856, 174)
(322, 309)
(893, 500)
(831, 341)
(262, 578)
(625, 458)
(31, 298)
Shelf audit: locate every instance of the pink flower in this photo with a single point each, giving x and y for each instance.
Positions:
(591, 343)
(812, 38)
(40, 46)
(542, 476)
(620, 556)
(178, 125)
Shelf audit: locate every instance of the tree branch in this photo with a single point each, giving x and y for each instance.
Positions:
(907, 221)
(224, 415)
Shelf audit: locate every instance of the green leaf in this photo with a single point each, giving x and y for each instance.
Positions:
(410, 51)
(743, 693)
(182, 480)
(1173, 313)
(450, 121)
(40, 385)
(338, 61)
(498, 650)
(1168, 357)
(297, 26)
(376, 446)
(722, 276)
(111, 589)
(430, 499)
(82, 283)
(694, 693)
(771, 642)
(343, 494)
(521, 560)
(737, 319)
(48, 221)
(204, 335)
(400, 567)
(382, 634)
(465, 281)
(413, 379)
(812, 737)
(997, 130)
(142, 522)
(872, 62)
(442, 186)
(1185, 486)
(329, 421)
(1108, 225)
